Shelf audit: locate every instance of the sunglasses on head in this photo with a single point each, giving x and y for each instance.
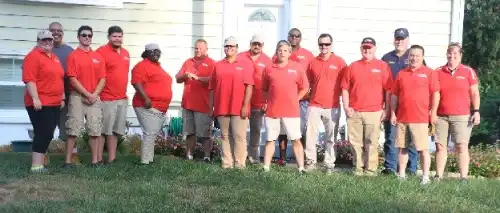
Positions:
(324, 44)
(83, 35)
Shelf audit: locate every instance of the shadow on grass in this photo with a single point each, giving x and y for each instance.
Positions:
(180, 186)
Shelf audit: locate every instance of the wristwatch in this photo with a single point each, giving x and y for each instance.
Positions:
(476, 110)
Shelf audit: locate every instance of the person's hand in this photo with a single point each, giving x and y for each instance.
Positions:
(393, 120)
(147, 103)
(92, 98)
(476, 118)
(63, 103)
(244, 112)
(211, 112)
(349, 111)
(264, 107)
(434, 118)
(385, 115)
(37, 104)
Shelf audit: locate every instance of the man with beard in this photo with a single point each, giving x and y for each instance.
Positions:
(114, 95)
(303, 56)
(258, 103)
(86, 72)
(62, 51)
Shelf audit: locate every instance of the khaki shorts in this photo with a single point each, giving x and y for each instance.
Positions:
(114, 117)
(78, 113)
(412, 134)
(275, 126)
(196, 123)
(459, 127)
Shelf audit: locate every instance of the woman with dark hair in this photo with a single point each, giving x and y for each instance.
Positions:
(44, 96)
(152, 98)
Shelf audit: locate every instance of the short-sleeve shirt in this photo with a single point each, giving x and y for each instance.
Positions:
(196, 93)
(88, 67)
(455, 90)
(259, 64)
(229, 82)
(117, 68)
(324, 79)
(282, 84)
(46, 72)
(414, 89)
(157, 85)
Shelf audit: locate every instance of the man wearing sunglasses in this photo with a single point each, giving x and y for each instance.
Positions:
(86, 72)
(324, 75)
(258, 104)
(303, 56)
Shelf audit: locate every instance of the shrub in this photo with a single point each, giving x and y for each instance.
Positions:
(57, 146)
(6, 148)
(175, 145)
(343, 151)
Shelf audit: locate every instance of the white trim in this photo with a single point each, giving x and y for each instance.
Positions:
(135, 1)
(11, 83)
(102, 3)
(232, 8)
(457, 20)
(14, 116)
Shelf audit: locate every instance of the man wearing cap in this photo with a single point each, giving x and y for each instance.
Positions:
(303, 56)
(114, 95)
(365, 95)
(258, 104)
(231, 90)
(195, 74)
(62, 51)
(323, 73)
(397, 60)
(86, 72)
(415, 90)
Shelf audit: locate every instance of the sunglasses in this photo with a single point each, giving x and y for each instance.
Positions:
(229, 46)
(294, 35)
(256, 44)
(47, 39)
(86, 35)
(324, 44)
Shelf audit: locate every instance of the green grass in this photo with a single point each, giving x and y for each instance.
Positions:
(173, 185)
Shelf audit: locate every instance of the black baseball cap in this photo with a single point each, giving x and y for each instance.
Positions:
(401, 33)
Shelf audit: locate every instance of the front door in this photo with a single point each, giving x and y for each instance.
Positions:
(264, 20)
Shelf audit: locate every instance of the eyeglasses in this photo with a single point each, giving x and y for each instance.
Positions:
(294, 35)
(157, 51)
(86, 35)
(324, 44)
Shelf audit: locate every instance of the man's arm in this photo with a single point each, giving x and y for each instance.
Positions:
(436, 96)
(476, 100)
(100, 86)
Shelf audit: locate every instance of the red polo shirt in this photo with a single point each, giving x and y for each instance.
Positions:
(303, 56)
(455, 90)
(414, 89)
(156, 82)
(117, 67)
(46, 72)
(195, 96)
(228, 82)
(259, 64)
(88, 67)
(324, 79)
(367, 82)
(282, 85)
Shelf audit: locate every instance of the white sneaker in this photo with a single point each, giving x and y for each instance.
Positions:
(189, 157)
(266, 168)
(425, 181)
(401, 177)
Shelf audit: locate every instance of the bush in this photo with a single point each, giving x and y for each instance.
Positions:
(343, 151)
(484, 161)
(6, 148)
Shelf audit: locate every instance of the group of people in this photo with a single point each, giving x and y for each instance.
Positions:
(290, 93)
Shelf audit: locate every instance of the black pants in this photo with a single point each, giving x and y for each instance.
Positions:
(44, 123)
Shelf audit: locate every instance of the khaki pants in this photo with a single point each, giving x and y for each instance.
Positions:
(330, 119)
(80, 114)
(114, 117)
(364, 132)
(459, 127)
(255, 134)
(233, 131)
(151, 121)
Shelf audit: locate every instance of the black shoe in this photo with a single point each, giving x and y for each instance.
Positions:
(207, 160)
(388, 172)
(464, 180)
(94, 165)
(68, 166)
(110, 162)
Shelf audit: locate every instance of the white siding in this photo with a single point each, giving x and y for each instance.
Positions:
(304, 16)
(173, 24)
(428, 22)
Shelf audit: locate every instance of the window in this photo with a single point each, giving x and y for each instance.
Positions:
(261, 15)
(11, 85)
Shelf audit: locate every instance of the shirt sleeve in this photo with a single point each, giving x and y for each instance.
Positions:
(265, 79)
(303, 82)
(309, 74)
(138, 74)
(102, 70)
(395, 86)
(213, 79)
(387, 79)
(248, 70)
(30, 68)
(346, 78)
(434, 82)
(340, 77)
(473, 80)
(71, 65)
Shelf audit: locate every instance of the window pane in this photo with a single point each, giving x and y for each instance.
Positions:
(11, 97)
(10, 69)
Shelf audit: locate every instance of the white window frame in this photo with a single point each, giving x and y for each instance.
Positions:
(13, 116)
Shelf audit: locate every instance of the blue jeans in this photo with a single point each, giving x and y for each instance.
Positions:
(391, 151)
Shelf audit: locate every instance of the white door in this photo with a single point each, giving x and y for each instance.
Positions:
(264, 20)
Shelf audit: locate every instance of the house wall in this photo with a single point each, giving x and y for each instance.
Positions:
(173, 24)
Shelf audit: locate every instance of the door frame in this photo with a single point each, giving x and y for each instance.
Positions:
(232, 10)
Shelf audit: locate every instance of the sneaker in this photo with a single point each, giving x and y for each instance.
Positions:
(425, 181)
(358, 172)
(388, 172)
(302, 170)
(75, 159)
(109, 162)
(310, 167)
(464, 180)
(68, 166)
(189, 157)
(370, 173)
(281, 162)
(266, 168)
(94, 165)
(253, 161)
(41, 170)
(329, 170)
(437, 178)
(206, 160)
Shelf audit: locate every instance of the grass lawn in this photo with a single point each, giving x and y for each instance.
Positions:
(172, 185)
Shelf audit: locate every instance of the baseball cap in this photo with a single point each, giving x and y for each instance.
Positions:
(257, 38)
(152, 46)
(44, 34)
(368, 42)
(401, 33)
(231, 40)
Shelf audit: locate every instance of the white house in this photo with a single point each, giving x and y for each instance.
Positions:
(176, 24)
